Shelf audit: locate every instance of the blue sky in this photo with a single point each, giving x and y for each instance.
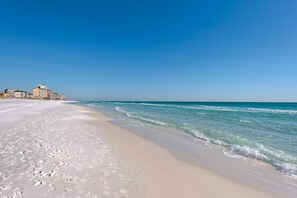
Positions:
(215, 50)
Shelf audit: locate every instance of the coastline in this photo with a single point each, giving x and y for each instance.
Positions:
(249, 173)
(163, 174)
(57, 149)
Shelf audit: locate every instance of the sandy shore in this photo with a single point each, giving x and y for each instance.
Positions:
(162, 175)
(48, 149)
(52, 149)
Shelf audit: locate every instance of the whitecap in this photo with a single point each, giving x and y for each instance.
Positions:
(139, 117)
(237, 109)
(249, 152)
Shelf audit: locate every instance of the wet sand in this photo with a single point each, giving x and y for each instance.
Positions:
(160, 174)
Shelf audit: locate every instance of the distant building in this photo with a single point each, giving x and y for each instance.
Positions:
(30, 95)
(40, 92)
(20, 94)
(62, 97)
(10, 92)
(50, 94)
(4, 95)
(55, 96)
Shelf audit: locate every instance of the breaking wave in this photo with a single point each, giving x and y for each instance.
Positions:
(138, 117)
(248, 110)
(246, 151)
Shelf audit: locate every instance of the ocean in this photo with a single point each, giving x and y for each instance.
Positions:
(261, 131)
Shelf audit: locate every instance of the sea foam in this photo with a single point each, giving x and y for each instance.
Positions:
(139, 117)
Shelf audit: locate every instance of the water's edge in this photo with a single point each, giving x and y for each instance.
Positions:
(247, 172)
(263, 131)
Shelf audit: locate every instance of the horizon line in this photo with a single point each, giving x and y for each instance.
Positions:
(186, 101)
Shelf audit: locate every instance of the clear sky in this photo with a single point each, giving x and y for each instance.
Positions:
(211, 50)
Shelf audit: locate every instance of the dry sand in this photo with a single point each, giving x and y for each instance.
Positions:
(48, 149)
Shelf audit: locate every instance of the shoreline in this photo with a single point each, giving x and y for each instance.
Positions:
(165, 174)
(259, 176)
(59, 149)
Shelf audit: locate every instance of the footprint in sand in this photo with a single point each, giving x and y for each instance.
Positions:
(35, 173)
(67, 178)
(67, 189)
(5, 187)
(17, 192)
(50, 174)
(37, 183)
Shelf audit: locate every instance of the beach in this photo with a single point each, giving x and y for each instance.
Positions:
(56, 149)
(49, 150)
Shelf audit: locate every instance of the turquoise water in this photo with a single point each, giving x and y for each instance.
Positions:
(262, 131)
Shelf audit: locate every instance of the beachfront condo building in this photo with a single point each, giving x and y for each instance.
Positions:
(20, 94)
(53, 95)
(40, 92)
(9, 92)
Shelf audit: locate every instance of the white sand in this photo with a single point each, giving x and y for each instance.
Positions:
(51, 149)
(48, 149)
